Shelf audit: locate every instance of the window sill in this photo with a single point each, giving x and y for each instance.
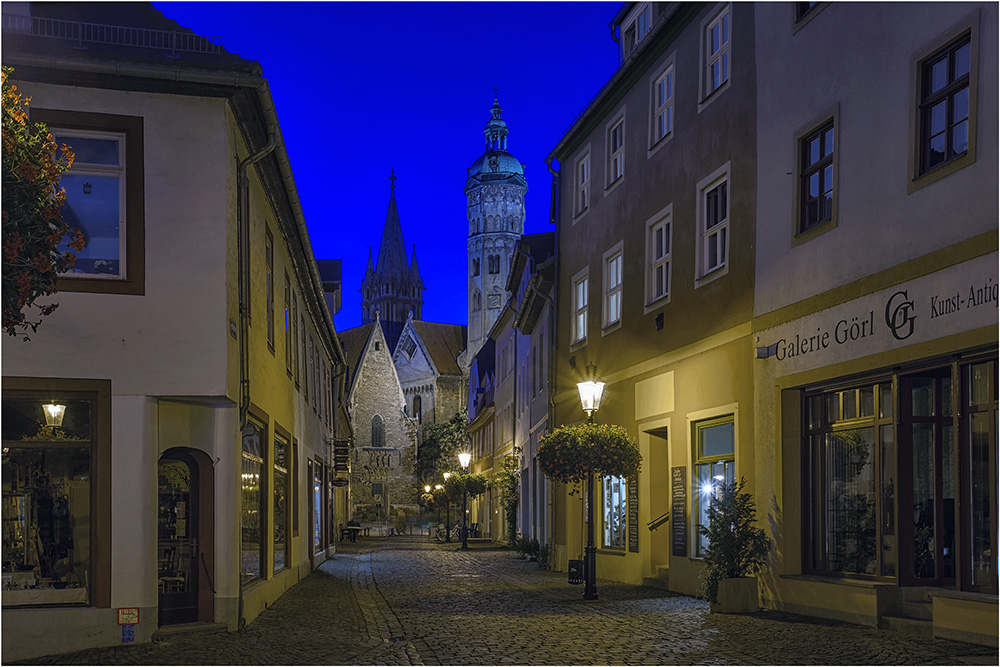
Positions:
(656, 304)
(611, 551)
(659, 144)
(578, 345)
(714, 95)
(941, 171)
(613, 185)
(579, 216)
(813, 232)
(101, 285)
(714, 274)
(611, 328)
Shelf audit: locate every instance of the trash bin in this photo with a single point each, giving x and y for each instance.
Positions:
(576, 572)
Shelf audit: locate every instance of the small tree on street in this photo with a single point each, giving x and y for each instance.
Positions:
(439, 450)
(33, 229)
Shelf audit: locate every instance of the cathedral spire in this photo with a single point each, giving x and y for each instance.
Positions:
(496, 129)
(392, 254)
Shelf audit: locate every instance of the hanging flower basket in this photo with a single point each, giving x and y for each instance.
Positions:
(569, 453)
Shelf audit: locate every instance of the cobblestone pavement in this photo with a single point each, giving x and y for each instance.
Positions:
(410, 601)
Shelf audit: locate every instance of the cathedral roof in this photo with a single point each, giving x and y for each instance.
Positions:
(444, 342)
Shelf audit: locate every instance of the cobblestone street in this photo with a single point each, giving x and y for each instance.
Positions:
(409, 601)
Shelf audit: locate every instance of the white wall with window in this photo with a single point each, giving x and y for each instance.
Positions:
(614, 513)
(613, 285)
(658, 242)
(615, 150)
(715, 39)
(581, 297)
(713, 224)
(581, 200)
(714, 452)
(661, 126)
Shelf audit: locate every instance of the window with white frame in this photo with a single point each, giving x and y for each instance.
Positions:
(615, 514)
(636, 29)
(714, 466)
(95, 201)
(716, 40)
(616, 151)
(582, 198)
(663, 105)
(713, 221)
(658, 258)
(613, 286)
(580, 300)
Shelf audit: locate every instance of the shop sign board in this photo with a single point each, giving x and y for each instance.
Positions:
(959, 298)
(632, 488)
(678, 510)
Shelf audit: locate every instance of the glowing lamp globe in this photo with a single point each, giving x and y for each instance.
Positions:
(54, 414)
(464, 458)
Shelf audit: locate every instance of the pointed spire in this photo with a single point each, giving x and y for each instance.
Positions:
(391, 254)
(370, 270)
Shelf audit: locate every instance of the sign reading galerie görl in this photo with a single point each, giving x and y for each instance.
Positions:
(960, 298)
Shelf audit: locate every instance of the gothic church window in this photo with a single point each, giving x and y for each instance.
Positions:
(378, 432)
(476, 300)
(417, 409)
(475, 266)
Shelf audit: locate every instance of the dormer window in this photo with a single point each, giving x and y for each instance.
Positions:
(636, 27)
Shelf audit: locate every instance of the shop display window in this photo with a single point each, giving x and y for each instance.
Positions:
(252, 520)
(47, 501)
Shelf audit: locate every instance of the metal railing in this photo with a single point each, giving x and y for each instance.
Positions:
(97, 33)
(659, 521)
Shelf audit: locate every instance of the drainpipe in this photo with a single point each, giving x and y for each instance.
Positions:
(243, 279)
(243, 267)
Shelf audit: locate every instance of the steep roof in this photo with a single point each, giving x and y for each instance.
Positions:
(353, 342)
(444, 342)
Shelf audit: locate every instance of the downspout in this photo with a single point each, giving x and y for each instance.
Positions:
(243, 278)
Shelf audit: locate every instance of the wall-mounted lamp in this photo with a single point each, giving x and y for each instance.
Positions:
(87, 187)
(54, 414)
(591, 391)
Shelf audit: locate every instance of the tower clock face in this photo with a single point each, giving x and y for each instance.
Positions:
(493, 301)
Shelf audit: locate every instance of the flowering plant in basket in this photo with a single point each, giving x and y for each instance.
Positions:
(570, 453)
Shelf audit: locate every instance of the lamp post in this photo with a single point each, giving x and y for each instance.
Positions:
(438, 487)
(447, 515)
(591, 392)
(464, 458)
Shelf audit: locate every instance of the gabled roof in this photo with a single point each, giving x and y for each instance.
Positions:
(443, 342)
(354, 341)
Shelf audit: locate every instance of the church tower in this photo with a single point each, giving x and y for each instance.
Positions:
(494, 191)
(392, 287)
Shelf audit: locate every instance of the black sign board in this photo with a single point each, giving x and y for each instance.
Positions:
(341, 455)
(679, 510)
(633, 513)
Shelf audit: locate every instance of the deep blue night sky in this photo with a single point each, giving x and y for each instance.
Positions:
(362, 88)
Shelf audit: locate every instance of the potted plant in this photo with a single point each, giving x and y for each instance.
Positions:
(737, 550)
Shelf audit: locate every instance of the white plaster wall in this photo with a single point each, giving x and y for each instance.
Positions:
(858, 55)
(172, 340)
(134, 499)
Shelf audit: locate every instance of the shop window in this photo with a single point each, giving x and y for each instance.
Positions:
(714, 467)
(615, 513)
(252, 504)
(280, 506)
(978, 474)
(49, 453)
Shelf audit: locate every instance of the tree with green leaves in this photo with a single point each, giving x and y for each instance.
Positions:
(33, 228)
(736, 547)
(442, 443)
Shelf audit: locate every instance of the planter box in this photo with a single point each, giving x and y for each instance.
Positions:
(737, 596)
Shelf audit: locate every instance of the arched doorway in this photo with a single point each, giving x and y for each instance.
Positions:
(180, 534)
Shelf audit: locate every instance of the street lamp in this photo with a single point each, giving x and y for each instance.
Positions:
(591, 392)
(464, 458)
